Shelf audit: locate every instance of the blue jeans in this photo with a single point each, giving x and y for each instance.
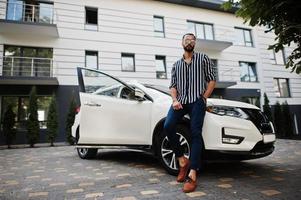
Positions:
(196, 112)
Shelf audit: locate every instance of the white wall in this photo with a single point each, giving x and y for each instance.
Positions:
(2, 9)
(127, 26)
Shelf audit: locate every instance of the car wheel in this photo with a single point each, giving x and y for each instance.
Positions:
(167, 156)
(86, 153)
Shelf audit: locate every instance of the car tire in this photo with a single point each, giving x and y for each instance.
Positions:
(86, 153)
(166, 155)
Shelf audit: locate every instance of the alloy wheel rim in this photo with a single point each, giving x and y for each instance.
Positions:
(169, 157)
(83, 151)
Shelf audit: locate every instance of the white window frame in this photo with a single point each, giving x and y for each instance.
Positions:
(89, 26)
(159, 57)
(203, 26)
(244, 42)
(128, 55)
(86, 54)
(159, 33)
(279, 93)
(255, 65)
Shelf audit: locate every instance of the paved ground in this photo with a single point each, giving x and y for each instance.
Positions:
(58, 173)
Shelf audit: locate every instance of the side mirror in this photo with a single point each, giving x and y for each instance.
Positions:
(139, 94)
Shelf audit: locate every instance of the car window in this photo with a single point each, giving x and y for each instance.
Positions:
(126, 93)
(97, 83)
(109, 92)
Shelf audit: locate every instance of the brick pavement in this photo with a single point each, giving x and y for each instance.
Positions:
(58, 173)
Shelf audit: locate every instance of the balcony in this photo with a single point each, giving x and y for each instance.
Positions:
(29, 19)
(27, 71)
(211, 45)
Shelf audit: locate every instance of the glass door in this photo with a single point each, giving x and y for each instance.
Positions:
(14, 10)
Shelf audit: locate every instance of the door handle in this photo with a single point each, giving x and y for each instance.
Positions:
(93, 104)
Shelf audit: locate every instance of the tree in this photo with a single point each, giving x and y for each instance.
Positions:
(52, 121)
(70, 119)
(33, 128)
(281, 16)
(8, 125)
(278, 120)
(266, 107)
(287, 120)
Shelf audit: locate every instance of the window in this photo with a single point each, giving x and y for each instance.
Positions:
(159, 26)
(20, 106)
(161, 67)
(201, 30)
(215, 69)
(127, 62)
(46, 13)
(248, 72)
(252, 100)
(15, 10)
(279, 57)
(91, 19)
(281, 86)
(92, 59)
(27, 61)
(243, 37)
(30, 11)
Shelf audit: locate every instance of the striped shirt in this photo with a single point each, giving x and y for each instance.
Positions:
(190, 80)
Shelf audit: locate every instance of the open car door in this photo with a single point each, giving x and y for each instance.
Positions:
(112, 112)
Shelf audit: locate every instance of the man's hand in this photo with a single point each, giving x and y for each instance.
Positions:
(177, 105)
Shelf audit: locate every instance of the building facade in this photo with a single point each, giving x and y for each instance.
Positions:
(42, 43)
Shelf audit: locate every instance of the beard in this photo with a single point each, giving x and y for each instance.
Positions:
(189, 48)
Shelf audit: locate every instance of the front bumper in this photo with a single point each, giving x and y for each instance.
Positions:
(259, 150)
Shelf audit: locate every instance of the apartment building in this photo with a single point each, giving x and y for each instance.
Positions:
(42, 43)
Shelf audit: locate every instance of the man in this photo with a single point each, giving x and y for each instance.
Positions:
(192, 82)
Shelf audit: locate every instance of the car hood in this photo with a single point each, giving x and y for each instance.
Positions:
(224, 102)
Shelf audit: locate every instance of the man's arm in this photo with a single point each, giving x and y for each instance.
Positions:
(175, 104)
(210, 76)
(173, 93)
(210, 88)
(173, 90)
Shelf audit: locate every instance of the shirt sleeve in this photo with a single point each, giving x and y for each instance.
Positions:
(208, 69)
(173, 81)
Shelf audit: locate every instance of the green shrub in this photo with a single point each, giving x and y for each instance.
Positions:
(52, 121)
(288, 129)
(33, 128)
(278, 120)
(70, 119)
(266, 107)
(8, 125)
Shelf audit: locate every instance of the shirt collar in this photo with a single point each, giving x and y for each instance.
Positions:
(183, 59)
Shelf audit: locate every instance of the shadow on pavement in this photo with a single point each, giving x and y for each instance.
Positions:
(221, 168)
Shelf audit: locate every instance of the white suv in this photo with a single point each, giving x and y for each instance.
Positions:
(115, 113)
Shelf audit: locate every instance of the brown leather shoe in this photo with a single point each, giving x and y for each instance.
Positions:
(183, 170)
(190, 185)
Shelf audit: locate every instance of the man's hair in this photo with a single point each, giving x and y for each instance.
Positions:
(188, 34)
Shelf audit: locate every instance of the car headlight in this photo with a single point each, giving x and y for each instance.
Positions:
(228, 111)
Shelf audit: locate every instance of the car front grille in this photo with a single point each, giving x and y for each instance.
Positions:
(259, 119)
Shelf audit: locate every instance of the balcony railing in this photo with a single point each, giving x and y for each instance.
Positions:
(27, 67)
(18, 11)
